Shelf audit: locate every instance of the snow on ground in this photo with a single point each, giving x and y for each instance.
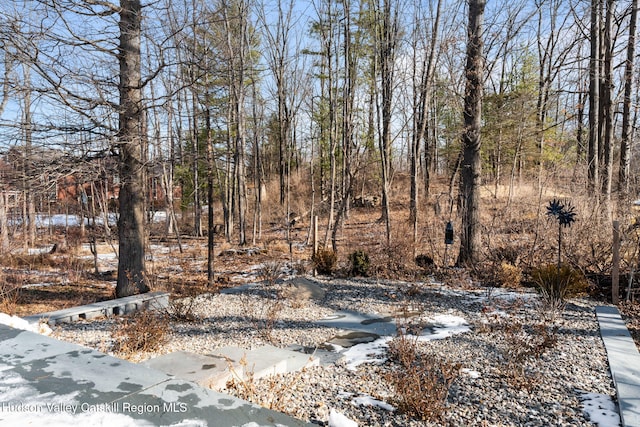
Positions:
(600, 409)
(337, 419)
(20, 323)
(444, 326)
(370, 401)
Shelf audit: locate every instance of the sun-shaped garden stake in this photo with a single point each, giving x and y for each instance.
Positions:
(565, 214)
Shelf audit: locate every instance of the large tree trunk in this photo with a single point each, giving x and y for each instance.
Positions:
(131, 278)
(471, 163)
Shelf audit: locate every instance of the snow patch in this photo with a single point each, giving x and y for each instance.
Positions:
(600, 409)
(20, 323)
(337, 419)
(370, 401)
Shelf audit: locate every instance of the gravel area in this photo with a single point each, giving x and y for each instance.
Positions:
(518, 364)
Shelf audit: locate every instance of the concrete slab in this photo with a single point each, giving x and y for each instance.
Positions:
(353, 321)
(624, 363)
(60, 383)
(304, 289)
(17, 347)
(266, 360)
(251, 362)
(207, 371)
(113, 307)
(326, 354)
(294, 361)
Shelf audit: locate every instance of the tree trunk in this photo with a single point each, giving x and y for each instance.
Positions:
(607, 109)
(389, 33)
(210, 212)
(626, 141)
(4, 223)
(422, 103)
(471, 163)
(131, 266)
(594, 99)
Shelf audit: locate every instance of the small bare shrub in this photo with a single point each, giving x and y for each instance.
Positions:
(524, 345)
(10, 287)
(262, 312)
(421, 382)
(142, 331)
(183, 302)
(521, 345)
(507, 254)
(270, 272)
(324, 260)
(299, 267)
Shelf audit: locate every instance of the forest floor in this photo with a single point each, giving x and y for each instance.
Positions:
(46, 281)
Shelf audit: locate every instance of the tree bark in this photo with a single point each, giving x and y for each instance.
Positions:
(389, 34)
(626, 141)
(594, 100)
(131, 265)
(471, 163)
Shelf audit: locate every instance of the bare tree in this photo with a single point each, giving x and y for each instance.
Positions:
(470, 171)
(422, 103)
(131, 222)
(386, 53)
(593, 160)
(627, 131)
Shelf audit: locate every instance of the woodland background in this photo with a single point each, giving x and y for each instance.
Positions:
(245, 119)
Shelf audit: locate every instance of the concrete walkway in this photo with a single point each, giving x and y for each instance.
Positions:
(624, 363)
(44, 381)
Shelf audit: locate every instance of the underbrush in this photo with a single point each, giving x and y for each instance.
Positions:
(420, 381)
(520, 345)
(140, 332)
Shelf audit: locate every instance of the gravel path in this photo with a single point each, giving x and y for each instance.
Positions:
(519, 366)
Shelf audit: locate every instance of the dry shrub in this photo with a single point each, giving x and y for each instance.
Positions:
(263, 312)
(324, 260)
(556, 285)
(10, 292)
(143, 331)
(270, 272)
(521, 344)
(183, 302)
(509, 276)
(395, 260)
(507, 254)
(421, 382)
(32, 261)
(74, 266)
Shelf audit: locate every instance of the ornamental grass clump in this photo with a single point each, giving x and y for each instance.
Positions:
(556, 283)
